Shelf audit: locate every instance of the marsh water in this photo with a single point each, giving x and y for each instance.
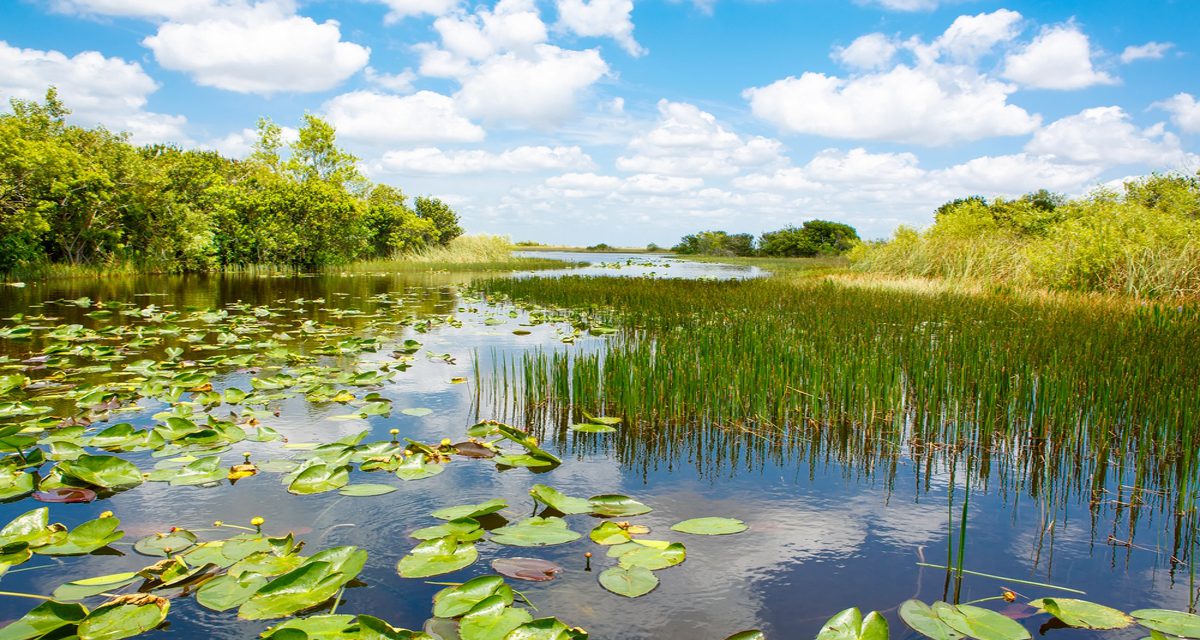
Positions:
(831, 525)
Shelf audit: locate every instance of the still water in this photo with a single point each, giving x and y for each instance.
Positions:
(827, 531)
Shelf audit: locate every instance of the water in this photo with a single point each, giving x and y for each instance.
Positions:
(829, 529)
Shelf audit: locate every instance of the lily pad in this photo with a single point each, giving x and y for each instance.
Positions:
(436, 557)
(1176, 623)
(470, 510)
(64, 495)
(366, 490)
(631, 583)
(654, 559)
(465, 529)
(452, 602)
(535, 532)
(165, 544)
(592, 428)
(609, 533)
(980, 623)
(124, 617)
(710, 526)
(86, 538)
(43, 619)
(229, 591)
(925, 621)
(492, 619)
(617, 506)
(546, 629)
(319, 478)
(558, 501)
(306, 586)
(109, 472)
(531, 569)
(1083, 614)
(851, 625)
(418, 467)
(87, 587)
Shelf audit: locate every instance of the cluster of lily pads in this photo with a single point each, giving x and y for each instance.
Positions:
(945, 621)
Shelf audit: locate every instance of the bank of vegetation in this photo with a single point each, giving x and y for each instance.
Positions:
(90, 200)
(812, 239)
(1142, 240)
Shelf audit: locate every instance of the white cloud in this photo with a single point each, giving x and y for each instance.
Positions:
(649, 183)
(1058, 58)
(1015, 174)
(98, 89)
(872, 51)
(512, 25)
(584, 182)
(395, 82)
(928, 105)
(1148, 51)
(430, 160)
(146, 9)
(970, 37)
(400, 9)
(600, 18)
(832, 169)
(1184, 110)
(689, 141)
(381, 118)
(262, 49)
(540, 90)
(1105, 136)
(903, 5)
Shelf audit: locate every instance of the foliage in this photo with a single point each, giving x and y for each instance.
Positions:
(1142, 241)
(716, 243)
(813, 238)
(87, 197)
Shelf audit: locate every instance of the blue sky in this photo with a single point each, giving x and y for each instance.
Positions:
(628, 122)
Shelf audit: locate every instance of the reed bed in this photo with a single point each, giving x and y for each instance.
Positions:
(1097, 395)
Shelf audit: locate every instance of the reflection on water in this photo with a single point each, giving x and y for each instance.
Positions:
(838, 518)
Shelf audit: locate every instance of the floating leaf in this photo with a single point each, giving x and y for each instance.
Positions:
(109, 472)
(617, 506)
(65, 495)
(306, 586)
(319, 478)
(492, 619)
(1083, 614)
(752, 634)
(556, 500)
(850, 625)
(417, 467)
(435, 557)
(366, 490)
(610, 421)
(465, 529)
(165, 544)
(609, 533)
(326, 627)
(546, 629)
(80, 589)
(85, 538)
(535, 532)
(470, 510)
(452, 602)
(593, 428)
(631, 583)
(1176, 623)
(43, 619)
(979, 623)
(654, 559)
(228, 591)
(124, 616)
(531, 569)
(710, 526)
(925, 621)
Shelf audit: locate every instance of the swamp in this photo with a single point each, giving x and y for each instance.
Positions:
(635, 447)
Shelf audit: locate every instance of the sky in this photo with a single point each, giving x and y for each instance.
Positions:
(628, 122)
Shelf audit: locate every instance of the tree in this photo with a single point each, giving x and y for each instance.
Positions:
(444, 219)
(316, 156)
(716, 243)
(394, 228)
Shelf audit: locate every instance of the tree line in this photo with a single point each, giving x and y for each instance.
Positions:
(811, 239)
(84, 196)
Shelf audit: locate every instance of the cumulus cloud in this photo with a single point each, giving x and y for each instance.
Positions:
(1059, 57)
(264, 49)
(98, 89)
(540, 90)
(903, 5)
(395, 82)
(689, 141)
(400, 9)
(431, 160)
(600, 18)
(1184, 110)
(970, 37)
(381, 118)
(1148, 51)
(146, 9)
(1105, 136)
(928, 105)
(656, 184)
(1016, 174)
(869, 52)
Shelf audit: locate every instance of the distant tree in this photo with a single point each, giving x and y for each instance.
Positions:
(716, 243)
(653, 247)
(813, 238)
(444, 219)
(392, 227)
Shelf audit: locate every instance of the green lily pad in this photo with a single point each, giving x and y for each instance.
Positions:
(465, 529)
(43, 619)
(165, 544)
(32, 528)
(631, 583)
(535, 532)
(306, 586)
(1176, 623)
(654, 559)
(980, 623)
(850, 625)
(319, 478)
(470, 510)
(556, 500)
(592, 428)
(452, 602)
(609, 533)
(750, 634)
(326, 627)
(925, 621)
(86, 538)
(80, 589)
(438, 556)
(228, 591)
(710, 526)
(109, 472)
(1083, 614)
(124, 617)
(366, 490)
(546, 629)
(492, 619)
(617, 506)
(606, 420)
(418, 467)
